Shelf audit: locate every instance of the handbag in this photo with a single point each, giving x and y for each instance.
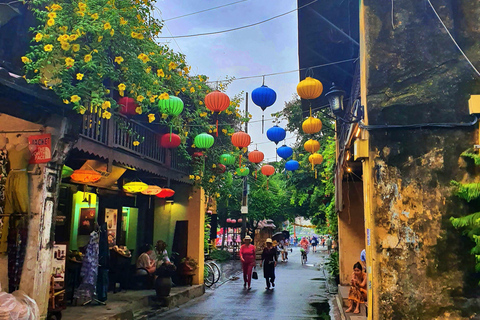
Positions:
(255, 274)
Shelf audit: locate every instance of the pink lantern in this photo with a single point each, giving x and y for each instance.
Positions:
(229, 220)
(240, 220)
(234, 221)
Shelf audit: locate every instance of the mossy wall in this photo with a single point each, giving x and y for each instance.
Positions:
(415, 74)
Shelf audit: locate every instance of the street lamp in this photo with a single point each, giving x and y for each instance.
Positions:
(335, 99)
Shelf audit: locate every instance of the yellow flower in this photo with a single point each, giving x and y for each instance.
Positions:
(164, 96)
(26, 60)
(106, 115)
(172, 65)
(180, 73)
(138, 110)
(66, 101)
(63, 29)
(200, 103)
(73, 37)
(106, 105)
(203, 114)
(183, 89)
(112, 32)
(122, 87)
(94, 16)
(199, 87)
(82, 5)
(56, 7)
(217, 194)
(136, 35)
(197, 178)
(214, 166)
(65, 46)
(87, 58)
(100, 38)
(148, 69)
(81, 13)
(151, 117)
(160, 73)
(224, 131)
(211, 180)
(136, 143)
(140, 99)
(119, 60)
(123, 21)
(152, 99)
(186, 69)
(191, 177)
(250, 116)
(50, 22)
(192, 89)
(209, 131)
(69, 62)
(38, 37)
(79, 76)
(76, 47)
(52, 15)
(169, 77)
(75, 98)
(164, 116)
(143, 57)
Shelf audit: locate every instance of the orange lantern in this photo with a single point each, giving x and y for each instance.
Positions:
(311, 125)
(85, 176)
(165, 193)
(256, 157)
(312, 146)
(314, 159)
(268, 170)
(241, 140)
(217, 101)
(309, 88)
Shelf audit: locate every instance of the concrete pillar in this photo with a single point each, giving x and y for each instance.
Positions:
(196, 231)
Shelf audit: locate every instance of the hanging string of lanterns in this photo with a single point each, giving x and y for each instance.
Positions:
(217, 102)
(256, 157)
(264, 97)
(267, 170)
(241, 140)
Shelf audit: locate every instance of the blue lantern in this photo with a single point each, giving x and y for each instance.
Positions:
(276, 134)
(264, 97)
(285, 152)
(292, 165)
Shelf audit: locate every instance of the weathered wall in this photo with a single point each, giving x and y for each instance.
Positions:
(414, 74)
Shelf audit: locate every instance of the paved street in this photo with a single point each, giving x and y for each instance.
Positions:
(298, 293)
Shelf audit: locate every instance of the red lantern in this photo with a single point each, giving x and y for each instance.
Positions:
(85, 176)
(170, 140)
(241, 140)
(165, 193)
(229, 220)
(217, 101)
(256, 157)
(268, 170)
(198, 154)
(127, 106)
(234, 221)
(240, 220)
(221, 168)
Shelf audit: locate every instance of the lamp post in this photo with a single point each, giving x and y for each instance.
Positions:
(335, 99)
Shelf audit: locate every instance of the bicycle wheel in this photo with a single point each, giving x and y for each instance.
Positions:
(216, 271)
(208, 275)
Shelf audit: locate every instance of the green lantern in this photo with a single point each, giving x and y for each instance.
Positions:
(66, 172)
(172, 106)
(242, 172)
(227, 159)
(204, 141)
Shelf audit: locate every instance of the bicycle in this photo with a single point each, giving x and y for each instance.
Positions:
(212, 273)
(303, 256)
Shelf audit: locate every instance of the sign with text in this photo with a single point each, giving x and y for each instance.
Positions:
(41, 148)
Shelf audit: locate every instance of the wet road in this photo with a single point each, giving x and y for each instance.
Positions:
(297, 295)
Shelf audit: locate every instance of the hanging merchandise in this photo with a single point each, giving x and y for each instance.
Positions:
(264, 97)
(311, 125)
(85, 176)
(151, 190)
(315, 159)
(292, 165)
(227, 159)
(204, 141)
(89, 271)
(268, 170)
(309, 88)
(312, 146)
(285, 152)
(217, 102)
(127, 106)
(276, 134)
(66, 171)
(242, 171)
(169, 140)
(241, 140)
(134, 187)
(256, 157)
(165, 193)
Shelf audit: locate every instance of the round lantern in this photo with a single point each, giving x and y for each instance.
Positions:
(172, 106)
(151, 190)
(66, 171)
(276, 134)
(264, 97)
(220, 168)
(312, 146)
(240, 220)
(256, 157)
(234, 221)
(135, 186)
(203, 141)
(285, 152)
(311, 125)
(229, 220)
(268, 170)
(242, 172)
(85, 176)
(292, 165)
(170, 140)
(127, 106)
(227, 159)
(309, 88)
(314, 159)
(165, 193)
(217, 102)
(198, 154)
(241, 140)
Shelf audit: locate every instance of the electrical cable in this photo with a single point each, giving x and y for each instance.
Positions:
(453, 39)
(420, 125)
(239, 28)
(197, 12)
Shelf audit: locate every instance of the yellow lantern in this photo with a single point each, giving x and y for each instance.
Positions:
(135, 186)
(314, 159)
(312, 146)
(309, 88)
(151, 190)
(312, 125)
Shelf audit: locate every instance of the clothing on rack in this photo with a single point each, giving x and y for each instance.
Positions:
(4, 221)
(104, 261)
(89, 271)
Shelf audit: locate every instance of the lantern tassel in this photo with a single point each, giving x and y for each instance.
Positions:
(240, 161)
(255, 174)
(315, 173)
(171, 132)
(217, 128)
(263, 122)
(267, 183)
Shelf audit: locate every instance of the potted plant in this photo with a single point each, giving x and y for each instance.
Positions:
(188, 266)
(163, 283)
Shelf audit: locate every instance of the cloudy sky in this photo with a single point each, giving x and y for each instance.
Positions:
(266, 48)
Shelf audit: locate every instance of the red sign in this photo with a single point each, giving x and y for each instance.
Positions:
(41, 148)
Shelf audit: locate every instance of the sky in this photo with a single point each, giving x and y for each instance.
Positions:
(266, 48)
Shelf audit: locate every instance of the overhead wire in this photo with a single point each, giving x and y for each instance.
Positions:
(201, 11)
(239, 28)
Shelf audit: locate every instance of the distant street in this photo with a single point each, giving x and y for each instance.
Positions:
(298, 294)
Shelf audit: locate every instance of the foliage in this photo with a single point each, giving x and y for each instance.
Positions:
(190, 262)
(220, 255)
(332, 264)
(466, 191)
(206, 231)
(470, 154)
(166, 270)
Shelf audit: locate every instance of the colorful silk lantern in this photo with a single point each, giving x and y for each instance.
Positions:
(172, 106)
(135, 186)
(170, 140)
(309, 88)
(256, 157)
(204, 141)
(241, 140)
(151, 190)
(276, 134)
(217, 102)
(311, 125)
(229, 220)
(127, 106)
(285, 152)
(85, 176)
(315, 159)
(292, 165)
(165, 193)
(268, 170)
(264, 97)
(66, 171)
(197, 154)
(240, 220)
(242, 171)
(234, 221)
(312, 146)
(220, 168)
(227, 159)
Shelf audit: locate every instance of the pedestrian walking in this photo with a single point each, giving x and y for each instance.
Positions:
(247, 256)
(314, 243)
(329, 245)
(269, 261)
